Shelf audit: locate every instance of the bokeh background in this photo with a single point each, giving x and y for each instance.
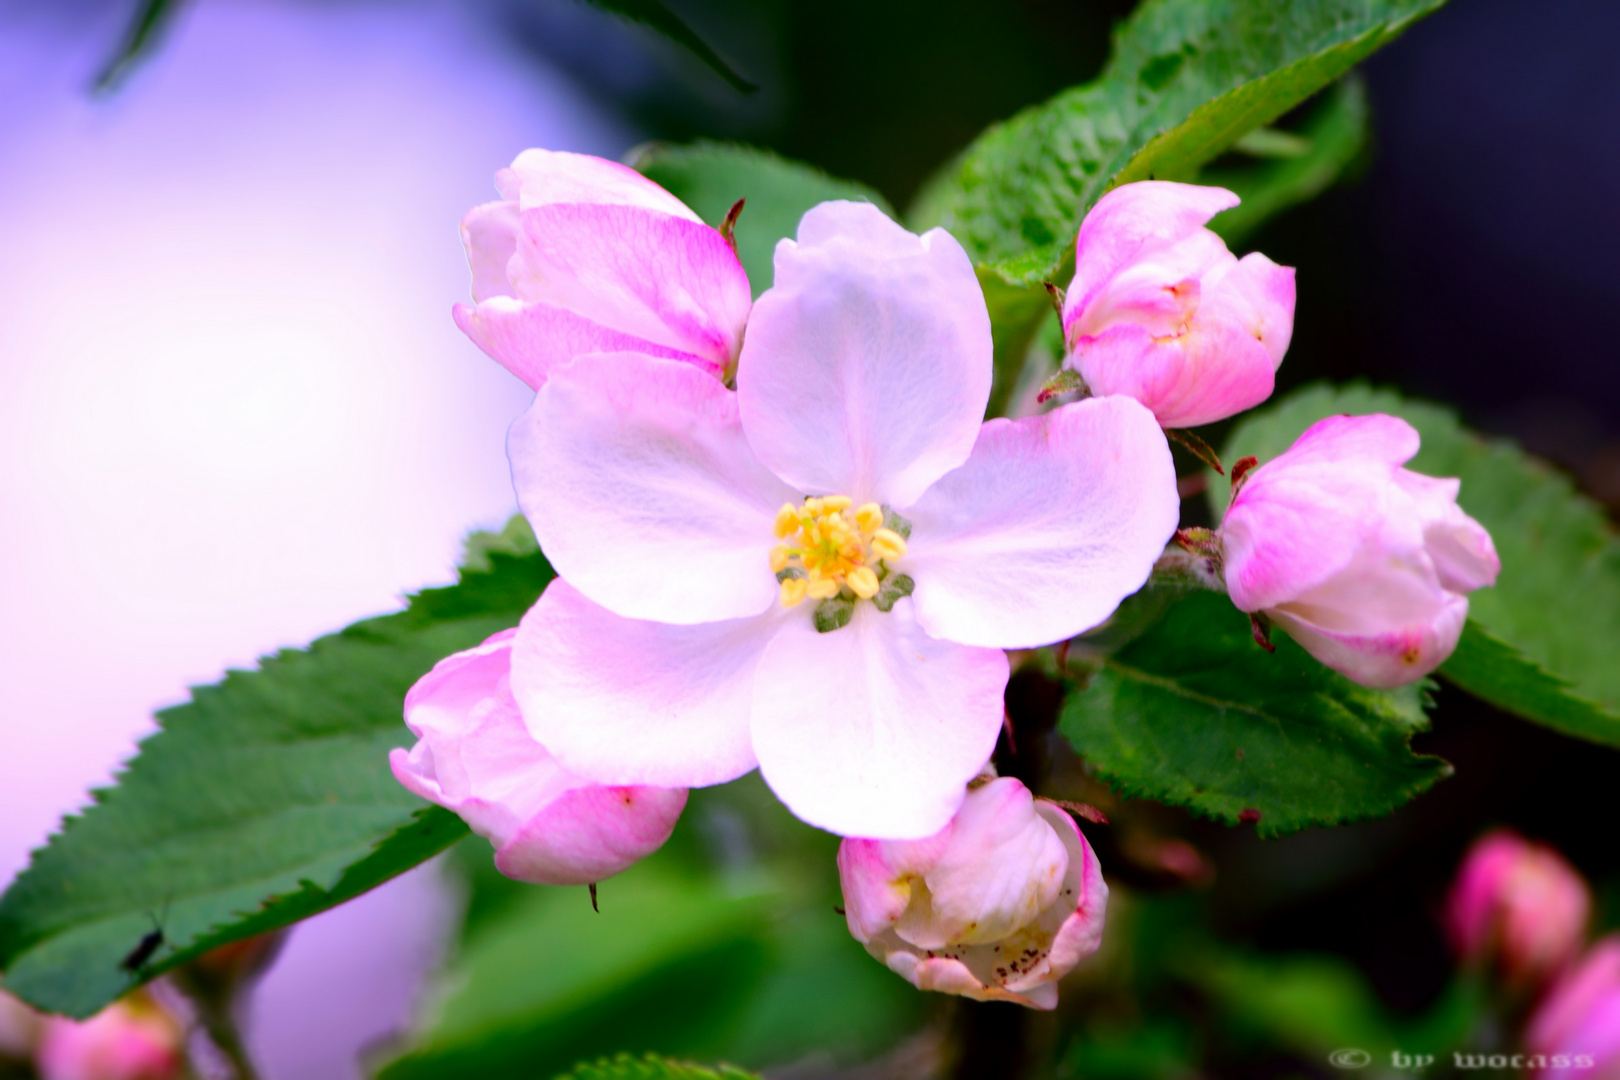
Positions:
(234, 413)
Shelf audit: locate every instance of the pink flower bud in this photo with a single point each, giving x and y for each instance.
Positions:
(1575, 1031)
(1160, 311)
(1517, 904)
(583, 255)
(998, 905)
(20, 1028)
(133, 1039)
(1365, 564)
(476, 757)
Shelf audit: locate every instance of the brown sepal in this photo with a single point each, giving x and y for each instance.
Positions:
(1262, 633)
(1198, 447)
(728, 227)
(1080, 809)
(1240, 472)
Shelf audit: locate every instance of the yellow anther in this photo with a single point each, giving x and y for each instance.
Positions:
(780, 554)
(888, 544)
(831, 546)
(822, 588)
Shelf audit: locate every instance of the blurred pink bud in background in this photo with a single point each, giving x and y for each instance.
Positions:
(999, 905)
(1576, 1029)
(1159, 309)
(1367, 565)
(476, 757)
(134, 1039)
(20, 1028)
(584, 255)
(1519, 905)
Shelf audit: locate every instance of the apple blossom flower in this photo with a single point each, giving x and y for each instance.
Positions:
(1367, 565)
(1575, 1031)
(475, 757)
(999, 905)
(132, 1039)
(1517, 904)
(817, 574)
(583, 255)
(1159, 309)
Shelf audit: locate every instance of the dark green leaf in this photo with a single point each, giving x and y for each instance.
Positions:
(625, 1067)
(1309, 1004)
(656, 15)
(709, 177)
(1192, 712)
(1334, 135)
(264, 800)
(1187, 79)
(667, 964)
(1540, 643)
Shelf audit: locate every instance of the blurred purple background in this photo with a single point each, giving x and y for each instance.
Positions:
(234, 412)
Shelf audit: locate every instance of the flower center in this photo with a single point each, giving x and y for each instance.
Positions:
(829, 551)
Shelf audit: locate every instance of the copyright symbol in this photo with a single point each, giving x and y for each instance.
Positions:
(1349, 1059)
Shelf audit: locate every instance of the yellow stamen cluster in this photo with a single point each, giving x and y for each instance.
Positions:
(829, 549)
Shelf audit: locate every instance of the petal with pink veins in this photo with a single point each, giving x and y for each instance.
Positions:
(626, 701)
(867, 364)
(643, 491)
(1051, 523)
(531, 339)
(665, 279)
(874, 730)
(1128, 219)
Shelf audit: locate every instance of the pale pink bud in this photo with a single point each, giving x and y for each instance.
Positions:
(1159, 309)
(1575, 1031)
(1517, 904)
(476, 757)
(998, 905)
(583, 255)
(133, 1039)
(1365, 564)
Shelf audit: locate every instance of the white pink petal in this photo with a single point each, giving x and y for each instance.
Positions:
(867, 364)
(475, 756)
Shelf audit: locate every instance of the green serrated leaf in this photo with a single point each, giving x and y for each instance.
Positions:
(656, 16)
(1334, 136)
(1187, 79)
(1540, 642)
(651, 1067)
(709, 177)
(264, 800)
(1192, 713)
